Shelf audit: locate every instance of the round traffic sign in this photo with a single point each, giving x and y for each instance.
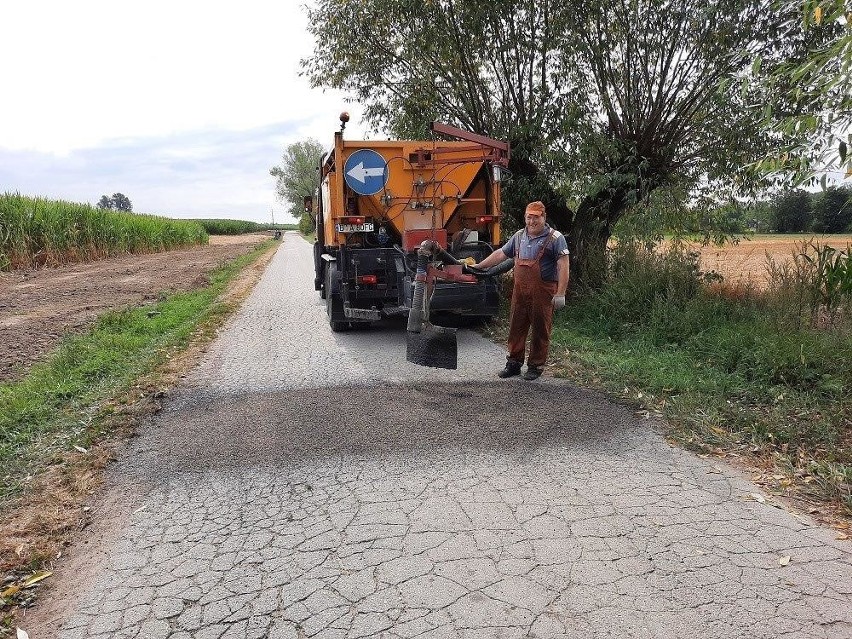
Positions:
(366, 172)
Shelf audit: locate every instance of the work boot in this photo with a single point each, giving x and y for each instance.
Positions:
(532, 373)
(512, 369)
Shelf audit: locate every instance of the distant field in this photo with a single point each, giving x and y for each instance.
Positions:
(746, 262)
(38, 232)
(237, 227)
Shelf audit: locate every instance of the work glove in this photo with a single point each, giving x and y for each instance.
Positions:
(558, 302)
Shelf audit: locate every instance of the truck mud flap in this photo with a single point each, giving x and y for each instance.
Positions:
(434, 346)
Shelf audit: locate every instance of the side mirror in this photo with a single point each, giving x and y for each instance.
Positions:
(309, 204)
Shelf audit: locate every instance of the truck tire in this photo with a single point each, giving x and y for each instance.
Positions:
(333, 303)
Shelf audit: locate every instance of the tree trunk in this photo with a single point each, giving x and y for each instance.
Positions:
(587, 242)
(590, 230)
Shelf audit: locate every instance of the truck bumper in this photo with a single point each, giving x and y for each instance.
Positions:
(479, 299)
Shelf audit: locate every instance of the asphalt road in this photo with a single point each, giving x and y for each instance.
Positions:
(309, 484)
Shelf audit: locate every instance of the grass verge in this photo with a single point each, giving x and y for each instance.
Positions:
(52, 422)
(731, 371)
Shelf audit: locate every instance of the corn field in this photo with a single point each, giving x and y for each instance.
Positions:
(233, 227)
(38, 232)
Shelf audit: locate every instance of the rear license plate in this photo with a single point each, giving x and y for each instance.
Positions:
(354, 228)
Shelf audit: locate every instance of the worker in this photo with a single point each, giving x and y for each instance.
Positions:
(541, 279)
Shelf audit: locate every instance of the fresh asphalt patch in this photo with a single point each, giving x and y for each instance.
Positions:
(198, 432)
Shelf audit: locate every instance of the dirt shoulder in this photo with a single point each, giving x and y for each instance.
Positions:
(63, 519)
(40, 307)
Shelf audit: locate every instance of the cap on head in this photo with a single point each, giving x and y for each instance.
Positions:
(535, 208)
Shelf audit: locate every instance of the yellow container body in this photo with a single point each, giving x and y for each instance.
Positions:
(430, 185)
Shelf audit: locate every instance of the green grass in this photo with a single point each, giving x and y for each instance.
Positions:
(728, 373)
(37, 231)
(63, 402)
(237, 227)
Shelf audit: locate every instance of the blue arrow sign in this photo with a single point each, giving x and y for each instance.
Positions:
(365, 172)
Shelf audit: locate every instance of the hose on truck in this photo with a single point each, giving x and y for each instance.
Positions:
(503, 267)
(417, 312)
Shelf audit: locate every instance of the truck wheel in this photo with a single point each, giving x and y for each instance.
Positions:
(333, 304)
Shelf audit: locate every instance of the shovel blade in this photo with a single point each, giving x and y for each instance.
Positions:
(435, 346)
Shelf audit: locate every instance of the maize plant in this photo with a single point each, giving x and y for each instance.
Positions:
(833, 275)
(37, 232)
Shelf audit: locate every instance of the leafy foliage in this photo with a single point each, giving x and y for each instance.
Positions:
(831, 278)
(237, 227)
(814, 89)
(306, 224)
(36, 232)
(602, 104)
(666, 299)
(798, 211)
(791, 211)
(297, 174)
(832, 210)
(118, 202)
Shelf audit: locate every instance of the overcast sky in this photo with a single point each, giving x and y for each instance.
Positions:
(183, 106)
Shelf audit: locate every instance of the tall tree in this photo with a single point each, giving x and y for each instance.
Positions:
(120, 202)
(116, 202)
(791, 211)
(296, 176)
(832, 210)
(603, 104)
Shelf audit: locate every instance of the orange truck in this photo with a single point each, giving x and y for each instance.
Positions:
(381, 204)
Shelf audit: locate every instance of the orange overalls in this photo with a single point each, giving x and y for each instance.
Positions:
(532, 308)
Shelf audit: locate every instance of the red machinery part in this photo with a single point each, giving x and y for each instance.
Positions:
(411, 240)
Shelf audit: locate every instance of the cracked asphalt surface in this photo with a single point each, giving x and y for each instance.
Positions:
(309, 484)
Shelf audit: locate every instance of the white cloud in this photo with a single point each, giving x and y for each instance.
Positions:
(206, 173)
(119, 94)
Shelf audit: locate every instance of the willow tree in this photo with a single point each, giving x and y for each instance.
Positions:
(816, 86)
(603, 104)
(296, 176)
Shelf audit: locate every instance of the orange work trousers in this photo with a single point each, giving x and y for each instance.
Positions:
(531, 313)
